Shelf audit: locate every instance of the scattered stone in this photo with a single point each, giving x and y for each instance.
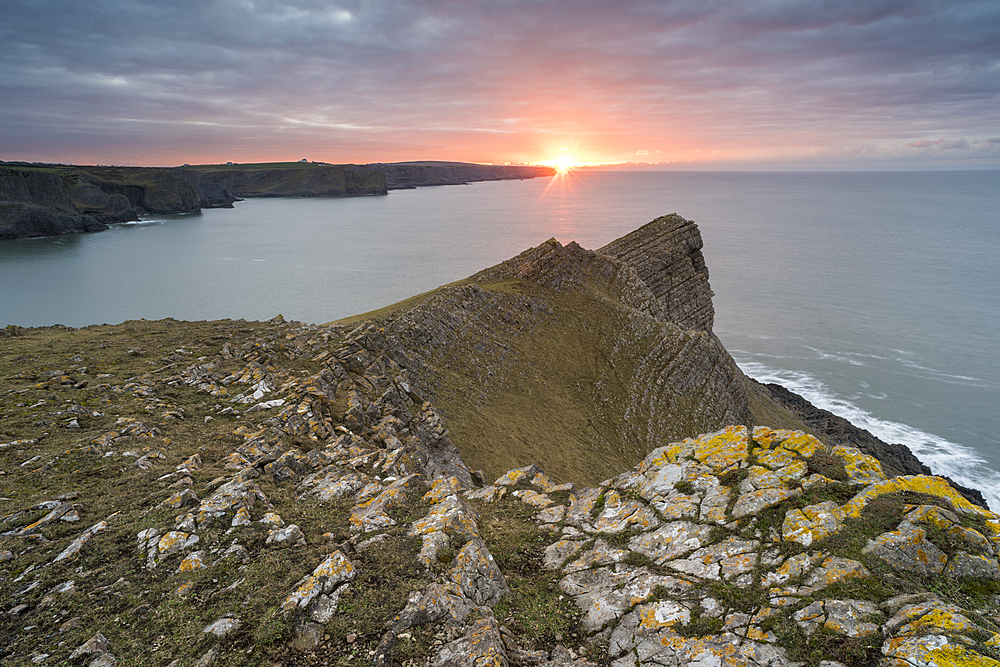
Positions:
(307, 636)
(76, 545)
(208, 658)
(223, 627)
(291, 534)
(334, 570)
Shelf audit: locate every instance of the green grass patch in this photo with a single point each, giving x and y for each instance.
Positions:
(535, 610)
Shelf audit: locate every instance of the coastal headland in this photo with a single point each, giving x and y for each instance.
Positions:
(44, 200)
(552, 462)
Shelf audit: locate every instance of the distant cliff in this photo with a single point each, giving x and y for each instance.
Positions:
(402, 175)
(307, 180)
(34, 203)
(43, 200)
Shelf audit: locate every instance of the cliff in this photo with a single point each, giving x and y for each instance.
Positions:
(247, 493)
(42, 200)
(402, 175)
(295, 180)
(34, 203)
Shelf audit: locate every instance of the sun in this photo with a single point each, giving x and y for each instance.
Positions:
(563, 163)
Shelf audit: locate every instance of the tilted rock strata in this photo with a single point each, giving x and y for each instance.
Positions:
(666, 254)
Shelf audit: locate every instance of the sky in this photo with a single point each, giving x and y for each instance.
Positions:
(685, 84)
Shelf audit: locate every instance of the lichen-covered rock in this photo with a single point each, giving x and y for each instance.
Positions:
(477, 575)
(671, 540)
(964, 565)
(333, 571)
(812, 523)
(482, 646)
(908, 550)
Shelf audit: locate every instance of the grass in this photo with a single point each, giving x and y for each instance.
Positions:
(146, 622)
(535, 386)
(535, 610)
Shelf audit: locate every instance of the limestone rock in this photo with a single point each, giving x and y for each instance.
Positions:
(908, 550)
(223, 627)
(964, 565)
(482, 645)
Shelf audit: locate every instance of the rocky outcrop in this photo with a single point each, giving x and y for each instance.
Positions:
(630, 364)
(666, 254)
(896, 459)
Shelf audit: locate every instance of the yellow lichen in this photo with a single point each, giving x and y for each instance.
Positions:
(860, 467)
(935, 486)
(802, 443)
(956, 656)
(723, 449)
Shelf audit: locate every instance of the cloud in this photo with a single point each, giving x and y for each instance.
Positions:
(646, 151)
(943, 144)
(396, 79)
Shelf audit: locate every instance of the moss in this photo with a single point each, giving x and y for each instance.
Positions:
(699, 626)
(685, 487)
(747, 599)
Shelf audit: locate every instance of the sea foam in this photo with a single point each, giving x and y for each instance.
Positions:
(959, 462)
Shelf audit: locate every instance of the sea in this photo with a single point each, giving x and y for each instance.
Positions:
(873, 295)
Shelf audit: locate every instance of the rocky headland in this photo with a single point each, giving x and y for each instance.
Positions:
(405, 175)
(44, 200)
(553, 462)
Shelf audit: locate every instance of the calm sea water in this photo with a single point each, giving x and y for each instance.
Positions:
(874, 295)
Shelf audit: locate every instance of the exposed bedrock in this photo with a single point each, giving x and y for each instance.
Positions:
(666, 254)
(35, 203)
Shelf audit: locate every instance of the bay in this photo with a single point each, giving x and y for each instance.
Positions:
(874, 295)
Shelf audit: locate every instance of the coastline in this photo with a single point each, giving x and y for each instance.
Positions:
(38, 200)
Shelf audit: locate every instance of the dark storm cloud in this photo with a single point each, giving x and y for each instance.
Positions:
(357, 78)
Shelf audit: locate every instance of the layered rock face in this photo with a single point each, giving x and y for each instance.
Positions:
(617, 364)
(35, 203)
(666, 254)
(305, 494)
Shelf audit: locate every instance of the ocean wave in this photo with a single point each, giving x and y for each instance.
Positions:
(903, 358)
(960, 462)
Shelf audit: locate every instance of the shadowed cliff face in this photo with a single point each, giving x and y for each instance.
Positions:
(34, 203)
(41, 200)
(588, 360)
